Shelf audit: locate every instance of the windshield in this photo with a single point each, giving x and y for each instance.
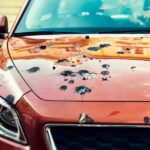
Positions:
(85, 16)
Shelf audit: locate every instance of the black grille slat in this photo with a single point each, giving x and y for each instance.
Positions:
(96, 138)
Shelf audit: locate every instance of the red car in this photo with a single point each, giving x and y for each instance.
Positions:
(75, 75)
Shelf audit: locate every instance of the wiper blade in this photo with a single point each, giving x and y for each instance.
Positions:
(44, 33)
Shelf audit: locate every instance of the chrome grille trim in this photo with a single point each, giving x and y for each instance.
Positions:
(97, 125)
(53, 144)
(50, 139)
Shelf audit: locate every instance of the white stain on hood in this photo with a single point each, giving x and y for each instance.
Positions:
(9, 83)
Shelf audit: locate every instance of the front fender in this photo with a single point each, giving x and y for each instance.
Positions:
(12, 86)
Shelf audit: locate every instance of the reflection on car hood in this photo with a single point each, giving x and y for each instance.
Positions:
(85, 68)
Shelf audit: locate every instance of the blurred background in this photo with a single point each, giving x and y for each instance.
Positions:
(10, 8)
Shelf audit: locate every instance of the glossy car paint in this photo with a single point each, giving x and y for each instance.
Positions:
(77, 68)
(36, 114)
(128, 105)
(3, 22)
(9, 145)
(12, 86)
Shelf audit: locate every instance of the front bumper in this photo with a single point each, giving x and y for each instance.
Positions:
(36, 113)
(10, 145)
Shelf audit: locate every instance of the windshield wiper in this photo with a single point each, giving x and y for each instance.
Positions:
(44, 33)
(67, 32)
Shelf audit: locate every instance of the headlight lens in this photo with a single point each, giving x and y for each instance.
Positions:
(9, 123)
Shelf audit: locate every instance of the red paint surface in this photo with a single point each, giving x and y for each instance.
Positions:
(9, 145)
(35, 114)
(128, 78)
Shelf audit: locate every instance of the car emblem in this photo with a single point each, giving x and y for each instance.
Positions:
(85, 119)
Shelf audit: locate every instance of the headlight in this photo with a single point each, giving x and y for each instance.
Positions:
(9, 123)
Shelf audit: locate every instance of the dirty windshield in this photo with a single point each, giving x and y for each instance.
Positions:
(85, 16)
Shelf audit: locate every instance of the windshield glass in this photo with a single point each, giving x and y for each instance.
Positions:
(85, 16)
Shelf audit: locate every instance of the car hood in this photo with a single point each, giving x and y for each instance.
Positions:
(84, 68)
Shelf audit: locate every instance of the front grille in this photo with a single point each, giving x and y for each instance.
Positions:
(98, 138)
